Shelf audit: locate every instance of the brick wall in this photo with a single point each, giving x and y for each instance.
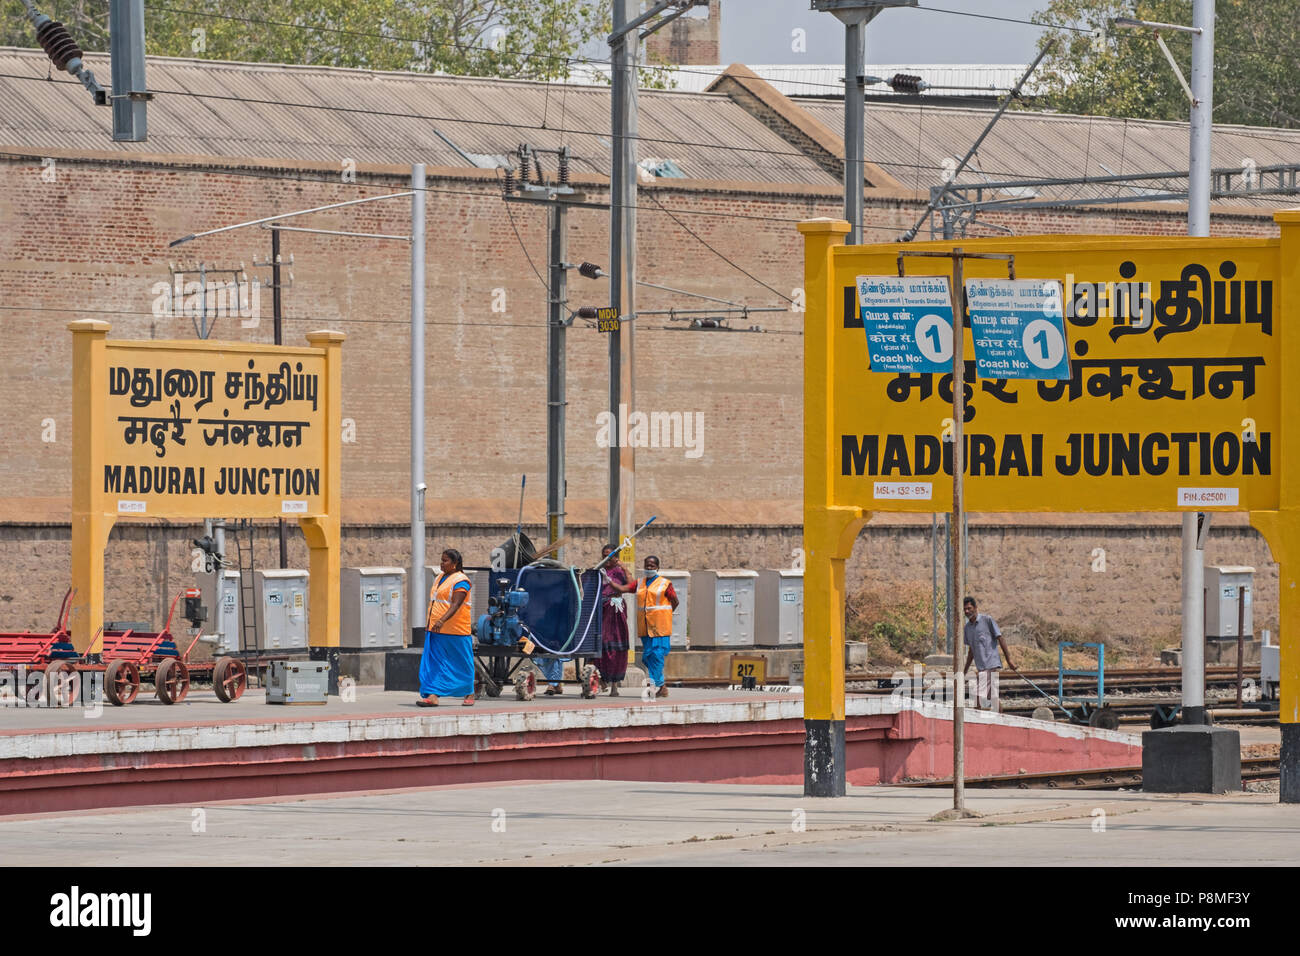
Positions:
(94, 243)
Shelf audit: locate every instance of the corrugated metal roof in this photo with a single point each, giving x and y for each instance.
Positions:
(913, 142)
(223, 109)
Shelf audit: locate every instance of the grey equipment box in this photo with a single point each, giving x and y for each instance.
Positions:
(681, 582)
(778, 613)
(722, 608)
(371, 607)
(297, 682)
(280, 602)
(1222, 590)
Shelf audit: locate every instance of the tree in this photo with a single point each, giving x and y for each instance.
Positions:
(540, 39)
(1099, 69)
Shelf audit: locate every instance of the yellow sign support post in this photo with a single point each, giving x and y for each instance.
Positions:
(193, 429)
(1178, 351)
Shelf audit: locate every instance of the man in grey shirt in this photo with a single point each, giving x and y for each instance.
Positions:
(980, 632)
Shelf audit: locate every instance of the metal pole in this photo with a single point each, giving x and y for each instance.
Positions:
(1198, 224)
(947, 584)
(855, 96)
(126, 50)
(416, 582)
(934, 583)
(277, 319)
(958, 551)
(622, 393)
(555, 370)
(1241, 636)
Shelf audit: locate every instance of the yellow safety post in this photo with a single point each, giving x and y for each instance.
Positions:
(323, 532)
(828, 531)
(91, 524)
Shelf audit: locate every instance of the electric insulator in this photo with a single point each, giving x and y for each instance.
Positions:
(523, 165)
(564, 168)
(906, 83)
(510, 181)
(58, 44)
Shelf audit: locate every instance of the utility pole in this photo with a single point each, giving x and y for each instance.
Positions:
(1198, 224)
(1195, 526)
(130, 92)
(416, 582)
(855, 15)
(279, 340)
(558, 197)
(624, 45)
(622, 265)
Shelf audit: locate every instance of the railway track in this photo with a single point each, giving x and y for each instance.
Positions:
(1108, 778)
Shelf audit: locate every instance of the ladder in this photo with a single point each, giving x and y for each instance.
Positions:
(247, 603)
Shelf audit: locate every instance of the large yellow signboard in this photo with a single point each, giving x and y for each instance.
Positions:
(1184, 358)
(1174, 399)
(204, 430)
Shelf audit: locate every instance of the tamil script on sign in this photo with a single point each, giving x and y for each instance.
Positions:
(235, 430)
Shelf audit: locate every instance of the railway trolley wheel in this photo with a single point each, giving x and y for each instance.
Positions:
(172, 681)
(1104, 718)
(59, 684)
(526, 684)
(590, 683)
(121, 682)
(229, 679)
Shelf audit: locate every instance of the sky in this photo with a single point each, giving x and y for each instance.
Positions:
(761, 31)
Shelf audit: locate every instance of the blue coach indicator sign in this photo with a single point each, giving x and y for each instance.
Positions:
(1018, 328)
(908, 323)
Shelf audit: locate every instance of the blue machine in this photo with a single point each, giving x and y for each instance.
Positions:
(501, 625)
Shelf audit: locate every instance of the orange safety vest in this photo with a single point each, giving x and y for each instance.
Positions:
(440, 601)
(654, 613)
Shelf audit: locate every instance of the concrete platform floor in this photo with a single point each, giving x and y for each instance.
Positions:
(201, 706)
(599, 822)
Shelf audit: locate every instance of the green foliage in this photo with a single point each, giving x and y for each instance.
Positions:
(1120, 72)
(897, 625)
(539, 40)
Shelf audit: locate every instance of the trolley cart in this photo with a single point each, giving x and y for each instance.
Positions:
(132, 657)
(50, 652)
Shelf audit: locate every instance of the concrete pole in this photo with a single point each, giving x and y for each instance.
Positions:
(622, 392)
(415, 584)
(555, 371)
(278, 318)
(1198, 224)
(855, 60)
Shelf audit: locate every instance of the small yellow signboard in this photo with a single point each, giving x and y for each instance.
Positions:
(203, 430)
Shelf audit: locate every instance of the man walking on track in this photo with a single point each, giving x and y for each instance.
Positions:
(980, 633)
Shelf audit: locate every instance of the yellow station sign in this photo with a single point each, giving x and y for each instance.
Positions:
(1178, 349)
(199, 430)
(1174, 399)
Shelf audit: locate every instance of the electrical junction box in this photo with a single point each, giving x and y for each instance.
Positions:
(1222, 591)
(297, 682)
(722, 612)
(280, 603)
(778, 611)
(681, 582)
(228, 616)
(371, 607)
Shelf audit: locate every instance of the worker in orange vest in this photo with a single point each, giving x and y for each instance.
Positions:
(655, 602)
